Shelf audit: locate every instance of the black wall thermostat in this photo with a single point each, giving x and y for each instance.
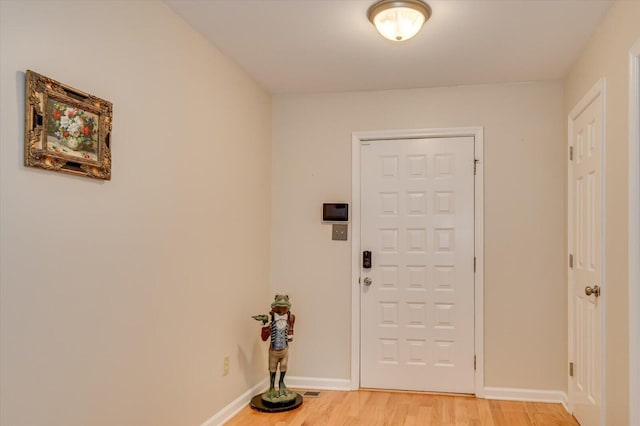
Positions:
(335, 212)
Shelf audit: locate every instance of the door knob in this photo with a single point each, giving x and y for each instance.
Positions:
(595, 290)
(367, 281)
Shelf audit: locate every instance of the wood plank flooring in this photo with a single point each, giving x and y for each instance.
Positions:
(372, 408)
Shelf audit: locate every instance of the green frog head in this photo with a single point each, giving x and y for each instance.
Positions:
(281, 303)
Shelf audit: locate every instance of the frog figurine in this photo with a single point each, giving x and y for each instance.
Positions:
(278, 326)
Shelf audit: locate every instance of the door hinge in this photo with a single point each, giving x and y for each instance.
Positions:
(474, 362)
(570, 369)
(570, 153)
(475, 166)
(475, 261)
(571, 261)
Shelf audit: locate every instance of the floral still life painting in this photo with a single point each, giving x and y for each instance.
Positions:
(72, 131)
(66, 130)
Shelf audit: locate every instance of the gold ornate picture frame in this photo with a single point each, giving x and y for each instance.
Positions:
(66, 130)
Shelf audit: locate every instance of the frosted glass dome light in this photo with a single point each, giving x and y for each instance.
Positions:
(399, 20)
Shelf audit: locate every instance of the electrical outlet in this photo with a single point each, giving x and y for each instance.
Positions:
(225, 368)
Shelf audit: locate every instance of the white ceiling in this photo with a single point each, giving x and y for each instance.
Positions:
(329, 45)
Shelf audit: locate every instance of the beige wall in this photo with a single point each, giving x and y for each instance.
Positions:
(525, 295)
(120, 298)
(606, 55)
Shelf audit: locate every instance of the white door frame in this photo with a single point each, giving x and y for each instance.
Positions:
(598, 89)
(356, 141)
(634, 233)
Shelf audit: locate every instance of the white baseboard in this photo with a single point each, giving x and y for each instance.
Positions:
(224, 415)
(529, 395)
(318, 383)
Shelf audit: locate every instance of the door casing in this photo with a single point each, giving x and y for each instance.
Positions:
(598, 90)
(634, 232)
(356, 140)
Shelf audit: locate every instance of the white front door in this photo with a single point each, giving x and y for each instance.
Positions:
(585, 246)
(417, 299)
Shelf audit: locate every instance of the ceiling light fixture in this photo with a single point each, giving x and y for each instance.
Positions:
(399, 20)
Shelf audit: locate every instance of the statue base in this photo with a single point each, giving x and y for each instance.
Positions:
(275, 405)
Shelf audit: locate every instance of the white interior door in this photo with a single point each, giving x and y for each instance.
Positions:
(586, 275)
(417, 299)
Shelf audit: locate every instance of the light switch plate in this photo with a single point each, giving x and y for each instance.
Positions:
(339, 232)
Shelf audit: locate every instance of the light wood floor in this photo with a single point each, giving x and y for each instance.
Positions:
(395, 408)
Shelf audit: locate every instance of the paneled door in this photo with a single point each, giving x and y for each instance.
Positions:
(417, 299)
(585, 246)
